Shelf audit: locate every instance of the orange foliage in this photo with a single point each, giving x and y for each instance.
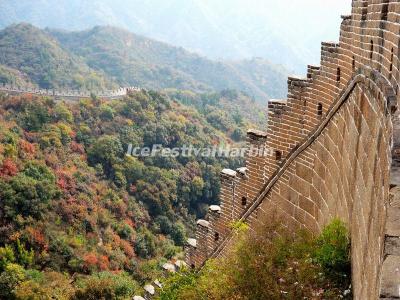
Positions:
(27, 148)
(65, 181)
(78, 148)
(90, 261)
(104, 263)
(130, 223)
(127, 248)
(72, 211)
(37, 237)
(116, 240)
(9, 168)
(15, 236)
(93, 262)
(72, 134)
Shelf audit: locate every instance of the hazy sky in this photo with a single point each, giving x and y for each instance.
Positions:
(286, 32)
(308, 17)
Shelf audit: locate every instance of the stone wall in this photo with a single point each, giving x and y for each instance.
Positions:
(327, 151)
(67, 93)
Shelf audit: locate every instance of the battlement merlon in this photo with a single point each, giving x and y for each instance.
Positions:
(345, 17)
(312, 71)
(242, 171)
(192, 243)
(329, 52)
(203, 223)
(214, 209)
(330, 46)
(296, 86)
(276, 107)
(228, 173)
(254, 135)
(296, 82)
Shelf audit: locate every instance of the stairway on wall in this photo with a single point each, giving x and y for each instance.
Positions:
(390, 282)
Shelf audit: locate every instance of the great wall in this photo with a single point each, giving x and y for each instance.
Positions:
(336, 153)
(336, 141)
(67, 94)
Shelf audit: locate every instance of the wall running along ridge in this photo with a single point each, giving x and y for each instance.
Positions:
(336, 153)
(68, 94)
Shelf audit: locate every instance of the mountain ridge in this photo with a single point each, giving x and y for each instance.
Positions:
(225, 29)
(111, 57)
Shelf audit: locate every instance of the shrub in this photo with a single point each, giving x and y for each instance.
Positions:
(145, 245)
(62, 113)
(6, 256)
(333, 249)
(269, 263)
(9, 279)
(106, 285)
(176, 284)
(34, 116)
(106, 112)
(107, 151)
(46, 286)
(28, 193)
(178, 234)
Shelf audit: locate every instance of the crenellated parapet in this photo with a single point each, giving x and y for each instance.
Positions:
(68, 93)
(330, 150)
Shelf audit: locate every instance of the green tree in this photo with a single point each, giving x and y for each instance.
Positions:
(10, 278)
(178, 234)
(106, 112)
(63, 113)
(333, 248)
(34, 116)
(106, 286)
(6, 257)
(107, 151)
(145, 245)
(28, 193)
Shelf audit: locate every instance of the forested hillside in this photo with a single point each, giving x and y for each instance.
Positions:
(34, 54)
(106, 57)
(135, 60)
(80, 218)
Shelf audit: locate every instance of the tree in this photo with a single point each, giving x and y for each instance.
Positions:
(145, 245)
(178, 234)
(8, 168)
(62, 113)
(6, 257)
(28, 193)
(12, 276)
(46, 286)
(107, 151)
(106, 112)
(164, 224)
(238, 135)
(34, 116)
(106, 285)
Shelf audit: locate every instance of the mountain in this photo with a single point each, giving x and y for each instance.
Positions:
(135, 60)
(10, 75)
(107, 56)
(79, 219)
(224, 29)
(40, 58)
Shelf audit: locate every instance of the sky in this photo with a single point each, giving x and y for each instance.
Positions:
(287, 32)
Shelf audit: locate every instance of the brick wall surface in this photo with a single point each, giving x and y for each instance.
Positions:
(328, 149)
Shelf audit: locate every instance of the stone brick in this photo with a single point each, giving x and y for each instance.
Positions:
(338, 161)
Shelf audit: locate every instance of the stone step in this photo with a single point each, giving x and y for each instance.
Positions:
(390, 286)
(390, 280)
(392, 228)
(392, 245)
